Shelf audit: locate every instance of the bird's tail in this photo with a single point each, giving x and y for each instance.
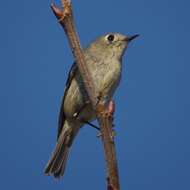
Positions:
(57, 163)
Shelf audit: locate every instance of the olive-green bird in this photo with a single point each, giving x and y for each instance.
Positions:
(104, 61)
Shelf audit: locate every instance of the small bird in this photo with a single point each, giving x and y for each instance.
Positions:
(103, 58)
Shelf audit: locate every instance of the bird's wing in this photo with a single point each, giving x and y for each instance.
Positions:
(61, 120)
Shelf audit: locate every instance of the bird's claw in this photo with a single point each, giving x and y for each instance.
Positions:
(110, 109)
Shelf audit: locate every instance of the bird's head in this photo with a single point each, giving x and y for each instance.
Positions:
(112, 44)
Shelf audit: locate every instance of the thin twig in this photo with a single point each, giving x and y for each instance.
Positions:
(66, 20)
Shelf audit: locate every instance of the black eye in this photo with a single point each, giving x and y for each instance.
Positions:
(110, 38)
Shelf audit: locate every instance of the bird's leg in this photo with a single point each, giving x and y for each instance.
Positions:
(111, 109)
(111, 105)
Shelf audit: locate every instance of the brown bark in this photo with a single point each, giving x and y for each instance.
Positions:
(66, 20)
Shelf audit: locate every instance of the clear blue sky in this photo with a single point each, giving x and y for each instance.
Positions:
(153, 101)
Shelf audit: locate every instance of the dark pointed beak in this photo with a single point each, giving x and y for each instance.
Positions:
(130, 38)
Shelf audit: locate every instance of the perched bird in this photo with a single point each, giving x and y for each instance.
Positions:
(104, 61)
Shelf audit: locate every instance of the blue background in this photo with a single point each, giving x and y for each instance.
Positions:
(153, 106)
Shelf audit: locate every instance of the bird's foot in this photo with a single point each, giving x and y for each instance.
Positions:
(110, 109)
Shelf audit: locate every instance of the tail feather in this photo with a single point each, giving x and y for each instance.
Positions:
(61, 169)
(56, 165)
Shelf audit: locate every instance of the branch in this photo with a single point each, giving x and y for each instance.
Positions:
(66, 20)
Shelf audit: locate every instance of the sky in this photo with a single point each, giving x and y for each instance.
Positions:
(152, 118)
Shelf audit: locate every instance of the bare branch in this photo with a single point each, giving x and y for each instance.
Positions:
(66, 20)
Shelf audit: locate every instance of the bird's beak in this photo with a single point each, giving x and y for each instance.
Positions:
(130, 38)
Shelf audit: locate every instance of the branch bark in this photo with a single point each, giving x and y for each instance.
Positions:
(66, 20)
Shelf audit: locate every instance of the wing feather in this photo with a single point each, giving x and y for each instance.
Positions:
(61, 120)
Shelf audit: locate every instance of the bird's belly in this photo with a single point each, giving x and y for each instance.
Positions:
(105, 82)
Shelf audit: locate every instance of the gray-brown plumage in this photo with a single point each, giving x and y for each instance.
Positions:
(103, 58)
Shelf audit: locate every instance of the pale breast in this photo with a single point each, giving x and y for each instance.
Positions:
(106, 77)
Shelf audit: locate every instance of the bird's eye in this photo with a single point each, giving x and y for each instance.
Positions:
(110, 38)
